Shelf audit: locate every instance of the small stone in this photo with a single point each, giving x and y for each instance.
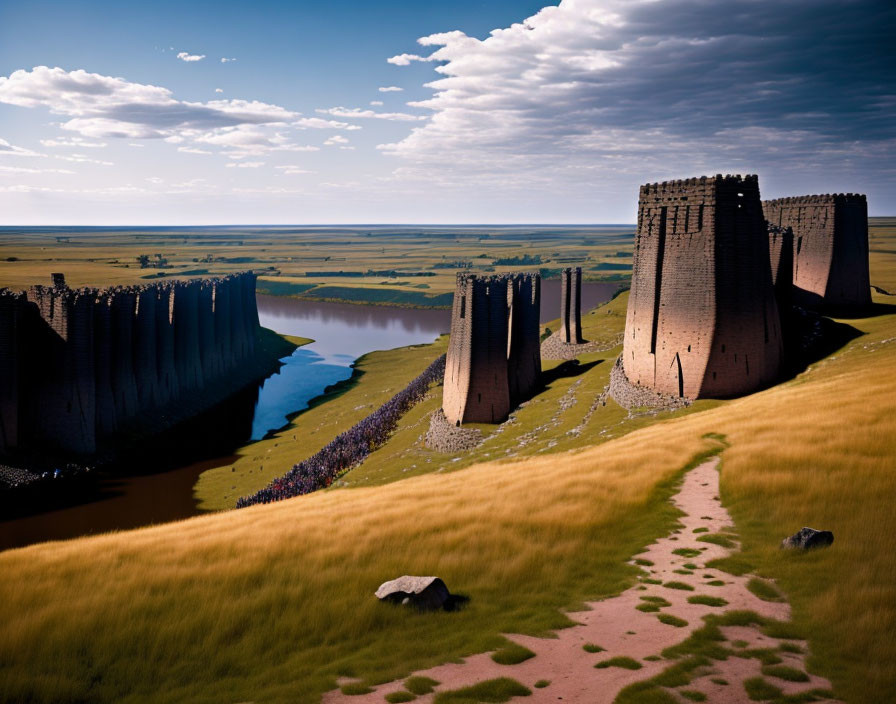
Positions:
(808, 538)
(425, 593)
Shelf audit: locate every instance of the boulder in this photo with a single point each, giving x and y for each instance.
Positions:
(808, 538)
(425, 593)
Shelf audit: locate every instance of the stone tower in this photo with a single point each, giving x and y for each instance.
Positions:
(830, 256)
(523, 340)
(571, 306)
(702, 319)
(11, 305)
(780, 247)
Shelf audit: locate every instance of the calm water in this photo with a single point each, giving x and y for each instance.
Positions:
(342, 333)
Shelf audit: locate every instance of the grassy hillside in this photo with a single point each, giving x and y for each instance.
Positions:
(273, 603)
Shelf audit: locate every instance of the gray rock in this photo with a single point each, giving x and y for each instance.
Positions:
(425, 593)
(808, 538)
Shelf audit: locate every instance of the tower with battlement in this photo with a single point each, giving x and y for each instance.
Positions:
(571, 306)
(494, 357)
(702, 318)
(830, 248)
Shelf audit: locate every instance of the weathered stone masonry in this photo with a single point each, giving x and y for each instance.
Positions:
(79, 365)
(571, 306)
(702, 318)
(494, 357)
(830, 248)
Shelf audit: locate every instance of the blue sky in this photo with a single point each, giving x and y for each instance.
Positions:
(125, 113)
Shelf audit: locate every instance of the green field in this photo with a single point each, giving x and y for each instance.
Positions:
(274, 603)
(403, 266)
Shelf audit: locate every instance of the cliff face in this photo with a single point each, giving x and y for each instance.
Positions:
(702, 318)
(830, 248)
(79, 365)
(494, 358)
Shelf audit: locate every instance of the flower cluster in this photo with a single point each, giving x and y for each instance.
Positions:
(351, 447)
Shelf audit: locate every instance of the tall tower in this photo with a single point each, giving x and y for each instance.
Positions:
(780, 246)
(523, 341)
(11, 306)
(702, 319)
(830, 256)
(476, 387)
(571, 306)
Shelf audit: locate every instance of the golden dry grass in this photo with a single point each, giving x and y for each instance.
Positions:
(274, 602)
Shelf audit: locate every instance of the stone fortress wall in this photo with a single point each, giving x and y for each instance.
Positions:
(780, 250)
(571, 306)
(78, 365)
(702, 319)
(830, 249)
(494, 358)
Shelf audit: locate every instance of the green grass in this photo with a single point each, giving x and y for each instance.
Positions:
(718, 539)
(736, 564)
(648, 608)
(703, 529)
(512, 654)
(420, 685)
(541, 684)
(764, 590)
(783, 672)
(683, 571)
(399, 697)
(719, 680)
(679, 585)
(760, 690)
(592, 648)
(693, 695)
(691, 566)
(644, 563)
(671, 620)
(623, 661)
(656, 600)
(707, 600)
(790, 648)
(355, 688)
(686, 552)
(497, 690)
(715, 583)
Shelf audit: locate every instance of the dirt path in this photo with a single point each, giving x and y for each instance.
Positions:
(621, 629)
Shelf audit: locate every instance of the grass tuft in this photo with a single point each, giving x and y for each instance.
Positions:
(707, 600)
(512, 654)
(759, 690)
(420, 685)
(656, 600)
(355, 688)
(494, 691)
(592, 648)
(783, 672)
(648, 608)
(686, 552)
(764, 590)
(541, 684)
(693, 695)
(671, 620)
(702, 529)
(718, 539)
(679, 585)
(735, 564)
(400, 697)
(644, 563)
(623, 661)
(790, 648)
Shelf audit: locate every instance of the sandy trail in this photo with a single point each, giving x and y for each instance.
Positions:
(617, 626)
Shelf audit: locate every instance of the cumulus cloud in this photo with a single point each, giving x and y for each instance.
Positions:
(370, 114)
(292, 169)
(335, 139)
(589, 89)
(318, 123)
(83, 159)
(245, 164)
(26, 170)
(227, 60)
(106, 107)
(189, 58)
(376, 102)
(77, 142)
(390, 89)
(219, 90)
(193, 150)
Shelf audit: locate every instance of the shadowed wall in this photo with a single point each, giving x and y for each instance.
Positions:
(702, 318)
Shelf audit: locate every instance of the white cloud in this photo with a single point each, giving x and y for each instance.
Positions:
(227, 60)
(370, 114)
(25, 170)
(335, 139)
(193, 150)
(155, 179)
(292, 169)
(82, 159)
(376, 102)
(317, 123)
(136, 144)
(184, 56)
(104, 107)
(7, 149)
(406, 59)
(219, 90)
(77, 142)
(245, 164)
(390, 89)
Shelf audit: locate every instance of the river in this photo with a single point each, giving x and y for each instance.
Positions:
(341, 334)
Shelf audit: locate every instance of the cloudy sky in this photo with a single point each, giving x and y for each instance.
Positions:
(403, 111)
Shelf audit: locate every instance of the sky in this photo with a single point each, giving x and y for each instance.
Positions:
(400, 111)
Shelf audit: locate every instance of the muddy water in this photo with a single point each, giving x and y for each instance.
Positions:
(341, 334)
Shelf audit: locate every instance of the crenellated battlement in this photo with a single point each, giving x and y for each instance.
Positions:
(81, 364)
